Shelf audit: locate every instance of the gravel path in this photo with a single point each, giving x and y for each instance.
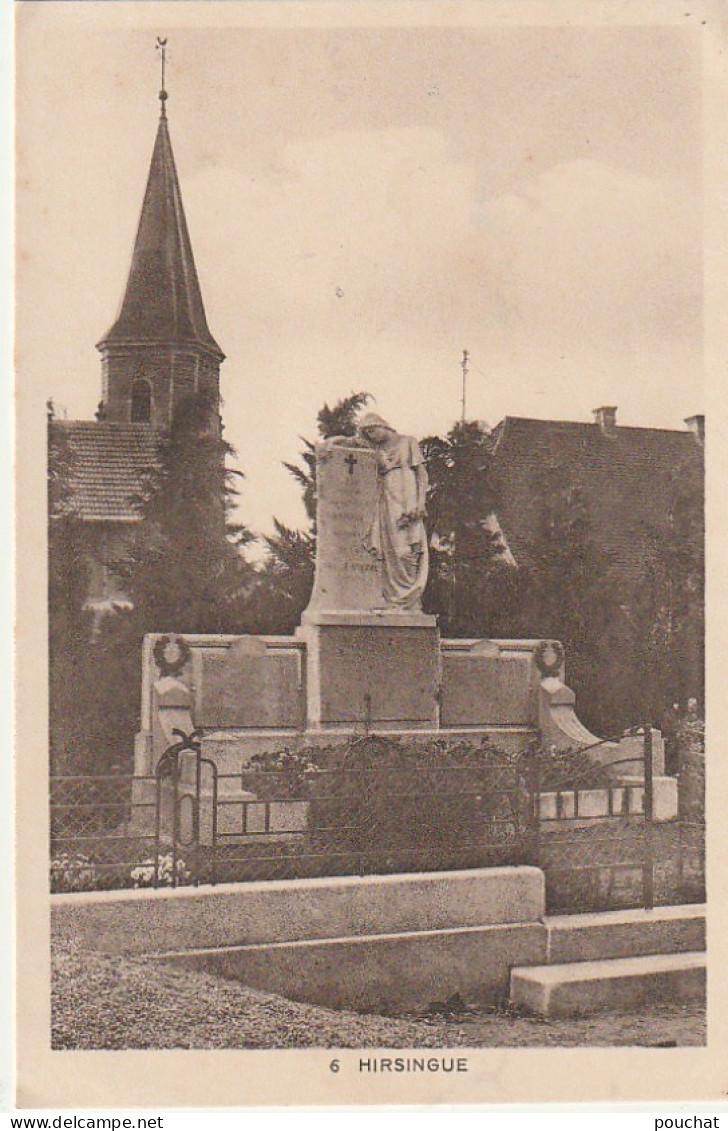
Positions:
(104, 1001)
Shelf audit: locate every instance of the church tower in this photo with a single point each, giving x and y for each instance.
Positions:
(160, 349)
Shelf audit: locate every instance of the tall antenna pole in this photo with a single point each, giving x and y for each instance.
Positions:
(464, 367)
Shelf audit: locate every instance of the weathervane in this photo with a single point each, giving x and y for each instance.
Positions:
(464, 367)
(162, 49)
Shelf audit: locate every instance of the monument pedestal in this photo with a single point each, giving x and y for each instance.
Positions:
(372, 669)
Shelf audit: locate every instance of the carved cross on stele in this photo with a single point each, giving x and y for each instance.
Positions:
(351, 462)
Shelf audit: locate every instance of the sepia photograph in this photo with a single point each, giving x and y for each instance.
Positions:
(361, 360)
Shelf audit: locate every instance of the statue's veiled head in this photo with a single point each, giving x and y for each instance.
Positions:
(375, 428)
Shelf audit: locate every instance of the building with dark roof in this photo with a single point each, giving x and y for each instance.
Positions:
(629, 476)
(158, 352)
(635, 499)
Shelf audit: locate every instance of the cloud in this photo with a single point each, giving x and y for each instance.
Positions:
(352, 226)
(384, 232)
(590, 253)
(370, 259)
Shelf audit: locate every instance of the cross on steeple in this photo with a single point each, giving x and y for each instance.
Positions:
(162, 49)
(351, 461)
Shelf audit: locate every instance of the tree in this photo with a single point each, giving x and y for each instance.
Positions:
(669, 608)
(283, 583)
(472, 583)
(184, 571)
(69, 624)
(570, 592)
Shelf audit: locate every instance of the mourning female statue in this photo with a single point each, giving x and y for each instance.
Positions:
(396, 536)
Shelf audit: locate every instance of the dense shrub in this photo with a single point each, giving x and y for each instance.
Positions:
(691, 768)
(431, 806)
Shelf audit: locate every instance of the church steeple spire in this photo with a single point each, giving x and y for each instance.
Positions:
(161, 335)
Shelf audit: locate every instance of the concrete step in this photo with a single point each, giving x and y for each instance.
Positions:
(625, 934)
(572, 988)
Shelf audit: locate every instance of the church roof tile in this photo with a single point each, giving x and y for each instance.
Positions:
(108, 464)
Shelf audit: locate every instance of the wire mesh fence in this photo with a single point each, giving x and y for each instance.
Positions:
(97, 833)
(371, 806)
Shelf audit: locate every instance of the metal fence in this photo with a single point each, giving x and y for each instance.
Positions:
(97, 836)
(621, 856)
(374, 806)
(371, 807)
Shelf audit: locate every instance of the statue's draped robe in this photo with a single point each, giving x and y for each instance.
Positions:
(403, 552)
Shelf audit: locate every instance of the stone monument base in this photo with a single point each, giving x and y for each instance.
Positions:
(346, 674)
(382, 668)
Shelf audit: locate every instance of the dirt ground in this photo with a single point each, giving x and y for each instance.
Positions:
(107, 1002)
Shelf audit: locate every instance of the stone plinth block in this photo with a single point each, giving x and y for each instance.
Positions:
(347, 577)
(625, 934)
(572, 988)
(381, 667)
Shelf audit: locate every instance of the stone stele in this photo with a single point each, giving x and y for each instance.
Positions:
(347, 578)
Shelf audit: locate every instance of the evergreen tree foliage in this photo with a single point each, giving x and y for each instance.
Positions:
(569, 590)
(471, 585)
(669, 611)
(283, 583)
(69, 624)
(184, 571)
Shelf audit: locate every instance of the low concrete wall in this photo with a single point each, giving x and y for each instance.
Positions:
(146, 921)
(392, 973)
(588, 803)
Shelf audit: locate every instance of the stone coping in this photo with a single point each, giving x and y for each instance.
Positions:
(367, 618)
(218, 640)
(318, 883)
(145, 920)
(334, 732)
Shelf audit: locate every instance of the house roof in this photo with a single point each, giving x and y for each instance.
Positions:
(627, 475)
(162, 303)
(107, 463)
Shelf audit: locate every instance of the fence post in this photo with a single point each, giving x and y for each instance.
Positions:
(648, 862)
(535, 808)
(157, 825)
(213, 831)
(367, 715)
(175, 818)
(363, 808)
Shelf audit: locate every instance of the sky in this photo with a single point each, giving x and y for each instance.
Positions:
(364, 203)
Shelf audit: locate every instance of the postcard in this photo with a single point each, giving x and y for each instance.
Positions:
(363, 360)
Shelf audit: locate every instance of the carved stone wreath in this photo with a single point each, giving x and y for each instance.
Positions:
(549, 657)
(171, 655)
